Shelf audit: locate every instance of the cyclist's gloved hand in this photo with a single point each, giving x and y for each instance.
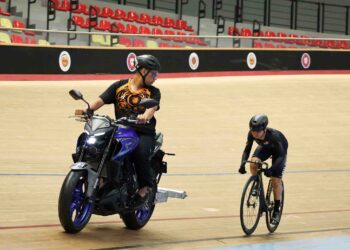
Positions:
(268, 172)
(242, 170)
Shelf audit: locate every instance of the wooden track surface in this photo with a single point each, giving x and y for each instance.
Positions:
(205, 122)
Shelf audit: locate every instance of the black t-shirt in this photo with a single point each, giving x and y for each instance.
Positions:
(273, 139)
(125, 102)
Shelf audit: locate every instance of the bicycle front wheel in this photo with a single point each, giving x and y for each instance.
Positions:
(250, 210)
(270, 207)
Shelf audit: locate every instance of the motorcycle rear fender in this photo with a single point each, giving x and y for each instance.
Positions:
(92, 176)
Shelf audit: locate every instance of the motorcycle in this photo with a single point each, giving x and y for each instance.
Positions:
(103, 180)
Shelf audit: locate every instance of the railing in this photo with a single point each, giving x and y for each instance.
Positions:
(128, 41)
(292, 14)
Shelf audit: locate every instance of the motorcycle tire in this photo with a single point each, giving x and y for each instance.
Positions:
(74, 209)
(138, 218)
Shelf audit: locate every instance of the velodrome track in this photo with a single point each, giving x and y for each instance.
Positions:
(205, 122)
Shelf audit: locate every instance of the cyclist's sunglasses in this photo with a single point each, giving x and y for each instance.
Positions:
(154, 74)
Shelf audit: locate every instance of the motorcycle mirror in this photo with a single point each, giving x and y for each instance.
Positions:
(76, 94)
(148, 103)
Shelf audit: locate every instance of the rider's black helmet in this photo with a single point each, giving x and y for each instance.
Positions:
(258, 122)
(148, 62)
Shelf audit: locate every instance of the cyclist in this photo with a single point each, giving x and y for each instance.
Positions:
(271, 142)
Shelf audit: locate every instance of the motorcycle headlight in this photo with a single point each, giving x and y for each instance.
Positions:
(91, 140)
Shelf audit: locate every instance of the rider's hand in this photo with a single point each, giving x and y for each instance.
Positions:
(79, 112)
(141, 119)
(242, 170)
(268, 172)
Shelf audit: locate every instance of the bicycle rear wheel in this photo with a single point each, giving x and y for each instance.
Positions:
(270, 204)
(250, 209)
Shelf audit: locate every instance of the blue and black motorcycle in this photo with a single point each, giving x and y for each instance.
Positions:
(103, 179)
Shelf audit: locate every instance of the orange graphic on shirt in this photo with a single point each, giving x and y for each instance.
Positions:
(127, 100)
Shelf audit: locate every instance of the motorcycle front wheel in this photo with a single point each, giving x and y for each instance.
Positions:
(74, 209)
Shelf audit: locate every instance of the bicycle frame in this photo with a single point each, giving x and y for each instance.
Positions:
(260, 169)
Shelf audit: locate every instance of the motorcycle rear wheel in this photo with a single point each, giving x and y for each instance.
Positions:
(74, 209)
(138, 218)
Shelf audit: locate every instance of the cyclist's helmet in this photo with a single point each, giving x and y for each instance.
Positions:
(148, 62)
(258, 122)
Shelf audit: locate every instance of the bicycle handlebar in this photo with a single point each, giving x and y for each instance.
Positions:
(260, 164)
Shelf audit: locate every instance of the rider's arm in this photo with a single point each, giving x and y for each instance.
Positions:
(149, 113)
(95, 105)
(247, 149)
(98, 103)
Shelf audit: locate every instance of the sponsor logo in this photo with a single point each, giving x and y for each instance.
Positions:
(251, 60)
(64, 61)
(305, 60)
(131, 62)
(193, 61)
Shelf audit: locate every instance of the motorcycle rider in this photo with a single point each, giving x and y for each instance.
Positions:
(271, 142)
(125, 94)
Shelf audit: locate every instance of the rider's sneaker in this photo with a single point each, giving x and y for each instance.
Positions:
(275, 219)
(139, 201)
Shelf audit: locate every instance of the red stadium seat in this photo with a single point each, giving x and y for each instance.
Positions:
(16, 39)
(300, 41)
(144, 18)
(103, 25)
(191, 39)
(168, 32)
(30, 40)
(246, 32)
(125, 41)
(119, 14)
(98, 10)
(291, 40)
(118, 27)
(164, 45)
(64, 6)
(315, 43)
(81, 9)
(233, 31)
(178, 38)
(201, 42)
(88, 24)
(270, 33)
(139, 43)
(4, 13)
(180, 24)
(20, 25)
(157, 31)
(258, 45)
(107, 12)
(281, 46)
(342, 45)
(132, 16)
(168, 22)
(157, 21)
(281, 34)
(131, 29)
(78, 20)
(269, 45)
(144, 30)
